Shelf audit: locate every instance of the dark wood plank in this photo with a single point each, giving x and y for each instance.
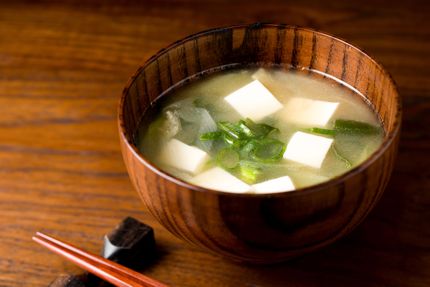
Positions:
(62, 69)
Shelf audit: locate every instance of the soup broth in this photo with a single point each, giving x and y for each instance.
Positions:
(260, 130)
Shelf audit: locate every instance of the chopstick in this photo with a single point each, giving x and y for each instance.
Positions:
(110, 271)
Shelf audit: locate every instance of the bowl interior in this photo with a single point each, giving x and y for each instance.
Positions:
(259, 44)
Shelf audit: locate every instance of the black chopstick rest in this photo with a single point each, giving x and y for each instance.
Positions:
(131, 243)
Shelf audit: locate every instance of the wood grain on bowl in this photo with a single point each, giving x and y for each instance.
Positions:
(261, 228)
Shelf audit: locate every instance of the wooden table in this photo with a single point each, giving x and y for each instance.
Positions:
(62, 69)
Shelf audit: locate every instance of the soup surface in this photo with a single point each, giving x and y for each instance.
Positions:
(260, 130)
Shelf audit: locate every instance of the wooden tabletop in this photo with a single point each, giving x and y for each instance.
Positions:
(62, 69)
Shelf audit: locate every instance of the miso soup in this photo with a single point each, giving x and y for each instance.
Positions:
(260, 130)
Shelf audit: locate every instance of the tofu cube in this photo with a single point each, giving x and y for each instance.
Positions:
(309, 112)
(308, 149)
(254, 101)
(182, 156)
(219, 179)
(279, 184)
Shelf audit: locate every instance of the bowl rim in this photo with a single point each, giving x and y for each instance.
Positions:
(387, 142)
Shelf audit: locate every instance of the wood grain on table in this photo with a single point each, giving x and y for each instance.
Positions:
(63, 66)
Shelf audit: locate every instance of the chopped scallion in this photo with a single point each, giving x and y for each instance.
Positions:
(210, 136)
(246, 141)
(268, 150)
(227, 158)
(355, 127)
(322, 131)
(249, 171)
(259, 130)
(231, 129)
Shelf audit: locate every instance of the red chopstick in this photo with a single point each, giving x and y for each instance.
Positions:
(110, 271)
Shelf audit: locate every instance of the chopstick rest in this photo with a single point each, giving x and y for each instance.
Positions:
(131, 243)
(110, 271)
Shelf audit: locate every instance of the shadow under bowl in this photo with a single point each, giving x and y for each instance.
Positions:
(260, 228)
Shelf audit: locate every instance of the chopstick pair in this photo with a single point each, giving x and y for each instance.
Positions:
(110, 271)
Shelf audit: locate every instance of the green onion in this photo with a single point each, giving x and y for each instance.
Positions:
(321, 131)
(268, 150)
(249, 171)
(259, 130)
(232, 142)
(248, 148)
(245, 129)
(347, 127)
(210, 136)
(227, 158)
(248, 143)
(231, 129)
(355, 127)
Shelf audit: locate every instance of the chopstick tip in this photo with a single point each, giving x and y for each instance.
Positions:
(38, 236)
(35, 237)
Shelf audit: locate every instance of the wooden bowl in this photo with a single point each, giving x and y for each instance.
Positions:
(263, 228)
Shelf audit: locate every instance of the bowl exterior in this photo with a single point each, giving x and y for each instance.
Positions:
(261, 228)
